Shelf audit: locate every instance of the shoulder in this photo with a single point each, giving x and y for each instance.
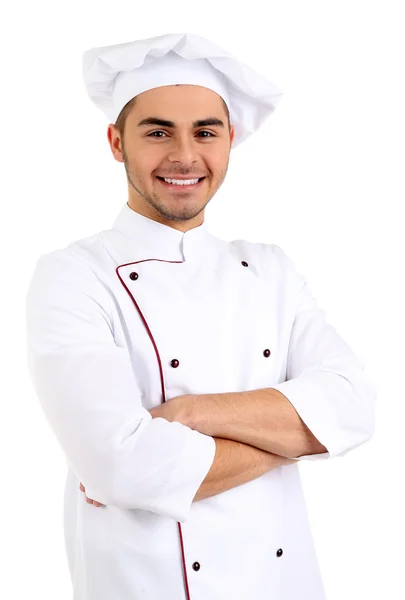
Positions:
(81, 258)
(267, 258)
(69, 275)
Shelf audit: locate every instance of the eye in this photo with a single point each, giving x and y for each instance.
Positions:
(211, 134)
(160, 131)
(153, 132)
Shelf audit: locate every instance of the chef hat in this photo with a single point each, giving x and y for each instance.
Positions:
(113, 75)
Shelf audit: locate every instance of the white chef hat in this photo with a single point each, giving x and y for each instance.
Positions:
(113, 75)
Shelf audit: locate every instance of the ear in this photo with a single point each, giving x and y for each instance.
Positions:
(114, 140)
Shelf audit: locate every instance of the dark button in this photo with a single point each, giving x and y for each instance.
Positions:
(244, 263)
(133, 275)
(267, 352)
(196, 566)
(279, 552)
(175, 363)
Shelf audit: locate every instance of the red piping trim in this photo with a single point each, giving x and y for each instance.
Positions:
(161, 383)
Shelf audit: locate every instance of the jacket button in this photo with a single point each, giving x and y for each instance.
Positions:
(279, 552)
(267, 352)
(196, 566)
(174, 363)
(133, 275)
(244, 263)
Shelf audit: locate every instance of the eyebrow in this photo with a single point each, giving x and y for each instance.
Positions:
(172, 124)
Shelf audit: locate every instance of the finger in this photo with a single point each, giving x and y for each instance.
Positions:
(89, 500)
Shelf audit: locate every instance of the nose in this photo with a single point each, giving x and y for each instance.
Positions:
(184, 150)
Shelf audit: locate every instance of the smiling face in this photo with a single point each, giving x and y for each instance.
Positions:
(175, 131)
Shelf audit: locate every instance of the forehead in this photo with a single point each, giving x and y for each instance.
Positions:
(180, 94)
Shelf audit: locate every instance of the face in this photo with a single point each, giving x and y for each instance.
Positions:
(182, 149)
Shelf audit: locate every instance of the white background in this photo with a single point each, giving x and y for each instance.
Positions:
(323, 178)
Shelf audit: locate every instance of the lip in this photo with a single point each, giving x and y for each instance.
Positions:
(181, 188)
(181, 176)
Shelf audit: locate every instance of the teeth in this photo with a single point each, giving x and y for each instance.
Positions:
(182, 181)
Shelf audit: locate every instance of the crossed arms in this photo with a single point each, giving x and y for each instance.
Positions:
(129, 457)
(254, 432)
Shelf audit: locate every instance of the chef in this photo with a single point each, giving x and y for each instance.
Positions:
(185, 376)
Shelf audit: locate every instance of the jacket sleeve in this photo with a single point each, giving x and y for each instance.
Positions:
(325, 382)
(89, 393)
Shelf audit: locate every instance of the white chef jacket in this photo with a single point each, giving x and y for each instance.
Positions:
(129, 317)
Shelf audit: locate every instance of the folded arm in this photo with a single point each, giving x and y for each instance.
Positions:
(90, 397)
(323, 409)
(262, 418)
(236, 463)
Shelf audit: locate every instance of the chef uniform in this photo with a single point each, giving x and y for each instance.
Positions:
(132, 316)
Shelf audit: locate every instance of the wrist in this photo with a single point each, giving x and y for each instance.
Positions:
(199, 416)
(192, 412)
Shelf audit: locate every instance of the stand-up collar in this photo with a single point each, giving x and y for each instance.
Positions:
(156, 240)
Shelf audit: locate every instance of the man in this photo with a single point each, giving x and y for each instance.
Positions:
(185, 376)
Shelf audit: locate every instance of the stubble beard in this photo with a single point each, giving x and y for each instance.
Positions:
(183, 212)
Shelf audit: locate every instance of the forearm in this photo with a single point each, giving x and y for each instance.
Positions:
(262, 418)
(236, 463)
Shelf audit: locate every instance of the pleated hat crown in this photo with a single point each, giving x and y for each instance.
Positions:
(113, 75)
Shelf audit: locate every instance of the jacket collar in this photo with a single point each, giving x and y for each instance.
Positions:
(156, 240)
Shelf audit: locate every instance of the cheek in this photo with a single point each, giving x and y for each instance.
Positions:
(147, 169)
(216, 162)
(218, 153)
(146, 162)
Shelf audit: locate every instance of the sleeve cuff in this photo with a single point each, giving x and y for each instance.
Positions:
(193, 465)
(313, 397)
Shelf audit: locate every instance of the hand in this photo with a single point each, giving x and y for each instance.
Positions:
(179, 408)
(89, 500)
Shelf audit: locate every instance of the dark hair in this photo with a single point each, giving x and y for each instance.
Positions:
(122, 117)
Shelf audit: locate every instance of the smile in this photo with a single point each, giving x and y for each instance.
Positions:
(176, 184)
